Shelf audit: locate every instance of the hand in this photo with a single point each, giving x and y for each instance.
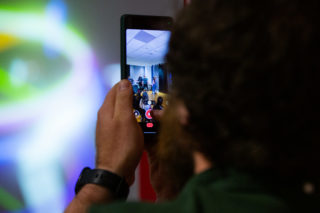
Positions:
(119, 141)
(119, 138)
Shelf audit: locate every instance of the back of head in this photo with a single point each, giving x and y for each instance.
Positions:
(249, 74)
(159, 100)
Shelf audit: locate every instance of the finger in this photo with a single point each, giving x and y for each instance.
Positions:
(108, 105)
(157, 114)
(124, 97)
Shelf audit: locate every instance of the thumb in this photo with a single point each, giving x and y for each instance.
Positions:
(123, 105)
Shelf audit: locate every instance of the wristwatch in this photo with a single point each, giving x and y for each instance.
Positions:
(116, 184)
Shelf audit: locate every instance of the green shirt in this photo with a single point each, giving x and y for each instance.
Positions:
(216, 191)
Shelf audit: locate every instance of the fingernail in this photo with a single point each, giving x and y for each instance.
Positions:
(124, 85)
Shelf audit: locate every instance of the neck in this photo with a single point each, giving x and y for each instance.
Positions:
(201, 163)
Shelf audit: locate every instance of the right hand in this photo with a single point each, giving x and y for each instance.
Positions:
(119, 138)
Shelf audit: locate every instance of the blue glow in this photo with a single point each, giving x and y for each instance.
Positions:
(56, 13)
(57, 10)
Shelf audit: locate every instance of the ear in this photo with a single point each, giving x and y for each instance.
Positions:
(182, 113)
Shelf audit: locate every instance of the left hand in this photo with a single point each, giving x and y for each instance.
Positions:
(119, 138)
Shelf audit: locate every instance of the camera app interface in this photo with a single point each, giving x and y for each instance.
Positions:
(146, 50)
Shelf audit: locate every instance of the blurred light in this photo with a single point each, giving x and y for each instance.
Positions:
(55, 115)
(7, 41)
(56, 13)
(8, 201)
(112, 74)
(34, 27)
(18, 72)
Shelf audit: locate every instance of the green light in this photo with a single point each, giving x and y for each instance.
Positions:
(9, 92)
(8, 202)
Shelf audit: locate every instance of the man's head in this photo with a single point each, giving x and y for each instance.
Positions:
(248, 74)
(173, 153)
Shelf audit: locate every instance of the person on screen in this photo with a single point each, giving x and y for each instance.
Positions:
(140, 83)
(144, 101)
(154, 85)
(158, 105)
(241, 133)
(145, 83)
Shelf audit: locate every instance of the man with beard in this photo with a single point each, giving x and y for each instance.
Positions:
(243, 137)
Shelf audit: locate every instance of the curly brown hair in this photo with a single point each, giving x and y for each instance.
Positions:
(248, 72)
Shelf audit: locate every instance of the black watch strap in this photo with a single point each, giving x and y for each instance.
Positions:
(116, 184)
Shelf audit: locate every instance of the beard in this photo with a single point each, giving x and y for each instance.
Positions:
(174, 157)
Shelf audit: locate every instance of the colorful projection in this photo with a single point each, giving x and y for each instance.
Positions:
(49, 96)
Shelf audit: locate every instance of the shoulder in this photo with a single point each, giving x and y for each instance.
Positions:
(211, 192)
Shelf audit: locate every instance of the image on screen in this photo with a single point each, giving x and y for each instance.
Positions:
(146, 50)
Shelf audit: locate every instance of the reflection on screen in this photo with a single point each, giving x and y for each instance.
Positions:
(145, 60)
